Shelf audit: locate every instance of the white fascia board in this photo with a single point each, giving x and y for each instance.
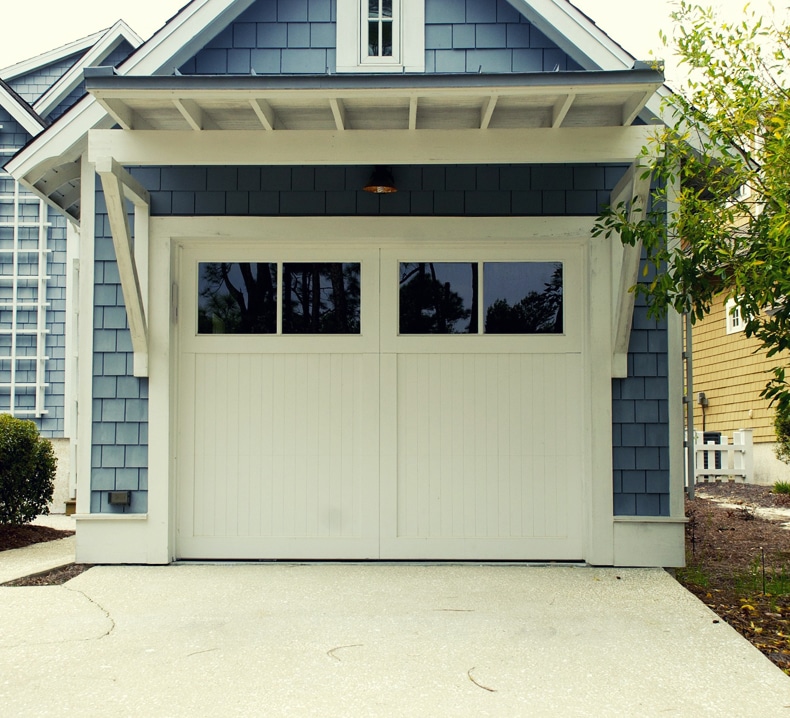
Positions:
(106, 44)
(183, 36)
(577, 35)
(48, 58)
(172, 45)
(13, 106)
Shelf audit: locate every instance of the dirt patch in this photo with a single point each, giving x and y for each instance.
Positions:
(27, 534)
(53, 577)
(738, 563)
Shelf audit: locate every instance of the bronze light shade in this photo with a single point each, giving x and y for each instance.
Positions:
(381, 181)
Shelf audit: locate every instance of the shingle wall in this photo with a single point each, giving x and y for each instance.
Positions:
(31, 86)
(298, 37)
(13, 136)
(115, 58)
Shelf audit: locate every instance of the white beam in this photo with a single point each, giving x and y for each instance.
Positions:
(192, 113)
(392, 147)
(413, 100)
(487, 111)
(265, 113)
(113, 186)
(561, 108)
(58, 177)
(634, 105)
(339, 113)
(124, 115)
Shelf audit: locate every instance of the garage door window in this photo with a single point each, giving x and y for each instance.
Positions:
(523, 297)
(438, 297)
(321, 298)
(237, 298)
(444, 298)
(246, 297)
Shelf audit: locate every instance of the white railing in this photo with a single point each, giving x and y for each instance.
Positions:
(724, 460)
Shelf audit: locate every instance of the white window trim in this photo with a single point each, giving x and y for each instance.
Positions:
(408, 45)
(735, 322)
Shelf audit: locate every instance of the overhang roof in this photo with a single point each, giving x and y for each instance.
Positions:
(364, 102)
(49, 163)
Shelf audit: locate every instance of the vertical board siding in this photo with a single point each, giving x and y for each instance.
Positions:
(284, 445)
(489, 446)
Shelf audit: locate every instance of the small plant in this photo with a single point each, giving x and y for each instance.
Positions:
(27, 471)
(782, 487)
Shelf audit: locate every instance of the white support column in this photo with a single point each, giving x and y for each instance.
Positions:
(84, 359)
(117, 185)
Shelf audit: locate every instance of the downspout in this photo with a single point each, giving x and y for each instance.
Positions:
(689, 443)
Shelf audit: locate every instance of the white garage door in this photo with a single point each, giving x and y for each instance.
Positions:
(380, 400)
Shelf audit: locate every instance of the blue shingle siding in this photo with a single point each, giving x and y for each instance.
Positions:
(640, 409)
(34, 84)
(115, 58)
(120, 405)
(283, 36)
(489, 190)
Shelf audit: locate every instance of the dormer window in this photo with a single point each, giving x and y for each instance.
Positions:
(380, 36)
(380, 28)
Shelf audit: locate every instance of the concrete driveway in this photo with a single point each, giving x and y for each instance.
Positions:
(375, 640)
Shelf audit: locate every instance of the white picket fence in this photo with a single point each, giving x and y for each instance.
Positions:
(726, 460)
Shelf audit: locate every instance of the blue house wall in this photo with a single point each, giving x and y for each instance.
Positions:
(51, 424)
(295, 37)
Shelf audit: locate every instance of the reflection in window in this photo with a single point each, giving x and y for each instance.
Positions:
(321, 298)
(438, 298)
(523, 297)
(237, 298)
(379, 28)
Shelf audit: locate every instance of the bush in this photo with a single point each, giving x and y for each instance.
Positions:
(782, 487)
(27, 471)
(782, 426)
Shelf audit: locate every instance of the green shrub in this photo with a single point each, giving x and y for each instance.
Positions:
(782, 426)
(782, 487)
(27, 471)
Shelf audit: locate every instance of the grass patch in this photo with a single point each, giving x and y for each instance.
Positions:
(782, 487)
(693, 575)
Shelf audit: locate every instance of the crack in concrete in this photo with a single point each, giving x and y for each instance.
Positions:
(101, 608)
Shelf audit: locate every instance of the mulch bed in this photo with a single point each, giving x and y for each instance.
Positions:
(729, 553)
(27, 534)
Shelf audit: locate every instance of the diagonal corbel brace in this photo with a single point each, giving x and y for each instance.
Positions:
(118, 186)
(634, 190)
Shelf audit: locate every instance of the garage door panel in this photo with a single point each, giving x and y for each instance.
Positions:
(285, 446)
(486, 448)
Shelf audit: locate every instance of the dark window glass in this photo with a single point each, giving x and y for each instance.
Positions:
(523, 297)
(321, 298)
(438, 298)
(373, 39)
(237, 298)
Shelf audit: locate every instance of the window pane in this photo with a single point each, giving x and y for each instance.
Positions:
(386, 39)
(438, 298)
(373, 39)
(321, 298)
(523, 297)
(237, 298)
(373, 9)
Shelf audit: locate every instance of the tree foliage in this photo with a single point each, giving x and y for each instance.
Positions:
(724, 159)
